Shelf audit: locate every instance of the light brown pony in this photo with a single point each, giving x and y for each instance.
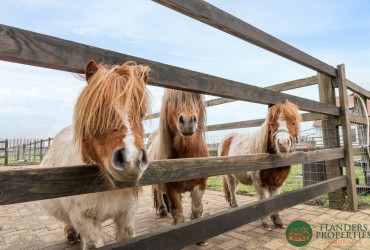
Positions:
(278, 134)
(180, 135)
(107, 131)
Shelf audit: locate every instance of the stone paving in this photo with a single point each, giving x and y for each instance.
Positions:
(27, 226)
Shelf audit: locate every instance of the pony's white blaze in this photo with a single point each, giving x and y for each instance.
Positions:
(132, 153)
(282, 139)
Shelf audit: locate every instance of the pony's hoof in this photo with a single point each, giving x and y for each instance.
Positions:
(203, 243)
(163, 214)
(233, 205)
(266, 226)
(281, 226)
(71, 235)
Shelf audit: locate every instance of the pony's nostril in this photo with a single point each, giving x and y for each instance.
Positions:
(119, 158)
(181, 119)
(194, 119)
(143, 160)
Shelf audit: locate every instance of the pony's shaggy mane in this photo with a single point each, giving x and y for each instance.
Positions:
(162, 146)
(258, 142)
(112, 94)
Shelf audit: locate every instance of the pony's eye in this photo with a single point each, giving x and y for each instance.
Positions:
(115, 130)
(293, 123)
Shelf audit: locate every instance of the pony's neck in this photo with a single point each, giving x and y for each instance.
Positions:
(188, 147)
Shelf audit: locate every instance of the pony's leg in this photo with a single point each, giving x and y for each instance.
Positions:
(159, 200)
(176, 206)
(89, 229)
(275, 217)
(230, 184)
(197, 206)
(196, 201)
(56, 208)
(263, 193)
(125, 221)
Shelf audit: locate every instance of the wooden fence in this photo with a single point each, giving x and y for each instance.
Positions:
(22, 150)
(21, 185)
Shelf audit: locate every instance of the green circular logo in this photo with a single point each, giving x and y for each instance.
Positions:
(299, 233)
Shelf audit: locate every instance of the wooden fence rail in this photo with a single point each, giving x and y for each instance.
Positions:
(44, 183)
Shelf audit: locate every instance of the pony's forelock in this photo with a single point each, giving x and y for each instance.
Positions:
(121, 87)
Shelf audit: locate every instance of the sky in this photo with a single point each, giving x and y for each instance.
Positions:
(37, 102)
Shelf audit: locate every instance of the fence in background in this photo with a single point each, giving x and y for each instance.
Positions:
(18, 150)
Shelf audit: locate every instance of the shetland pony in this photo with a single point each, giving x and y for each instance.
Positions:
(180, 135)
(277, 135)
(108, 131)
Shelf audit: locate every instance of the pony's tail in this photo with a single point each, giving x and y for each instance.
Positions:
(226, 189)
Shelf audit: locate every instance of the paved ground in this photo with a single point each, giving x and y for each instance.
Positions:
(27, 226)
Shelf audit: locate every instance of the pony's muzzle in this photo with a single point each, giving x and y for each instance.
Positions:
(284, 145)
(128, 166)
(187, 125)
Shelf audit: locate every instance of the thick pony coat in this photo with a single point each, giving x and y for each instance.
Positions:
(107, 119)
(278, 134)
(182, 113)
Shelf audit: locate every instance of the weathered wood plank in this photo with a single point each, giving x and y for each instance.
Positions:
(213, 225)
(278, 87)
(35, 183)
(256, 123)
(358, 89)
(357, 119)
(330, 136)
(211, 15)
(27, 47)
(347, 140)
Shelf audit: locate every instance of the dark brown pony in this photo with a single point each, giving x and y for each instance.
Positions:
(180, 135)
(278, 134)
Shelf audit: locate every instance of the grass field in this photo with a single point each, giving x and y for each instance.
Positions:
(294, 181)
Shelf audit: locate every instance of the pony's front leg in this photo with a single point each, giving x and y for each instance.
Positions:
(125, 225)
(263, 193)
(275, 217)
(90, 230)
(176, 206)
(197, 205)
(196, 201)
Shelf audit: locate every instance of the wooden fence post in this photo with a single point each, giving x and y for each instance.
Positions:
(30, 152)
(18, 151)
(24, 151)
(41, 142)
(6, 152)
(34, 149)
(330, 136)
(347, 139)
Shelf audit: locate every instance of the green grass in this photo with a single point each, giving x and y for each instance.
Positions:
(293, 182)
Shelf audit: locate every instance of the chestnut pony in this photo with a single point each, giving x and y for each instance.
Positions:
(277, 135)
(107, 131)
(180, 135)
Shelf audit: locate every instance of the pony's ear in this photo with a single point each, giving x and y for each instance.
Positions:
(90, 69)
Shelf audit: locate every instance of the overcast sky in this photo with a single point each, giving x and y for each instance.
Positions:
(37, 102)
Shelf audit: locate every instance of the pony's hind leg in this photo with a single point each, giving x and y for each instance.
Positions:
(229, 185)
(275, 217)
